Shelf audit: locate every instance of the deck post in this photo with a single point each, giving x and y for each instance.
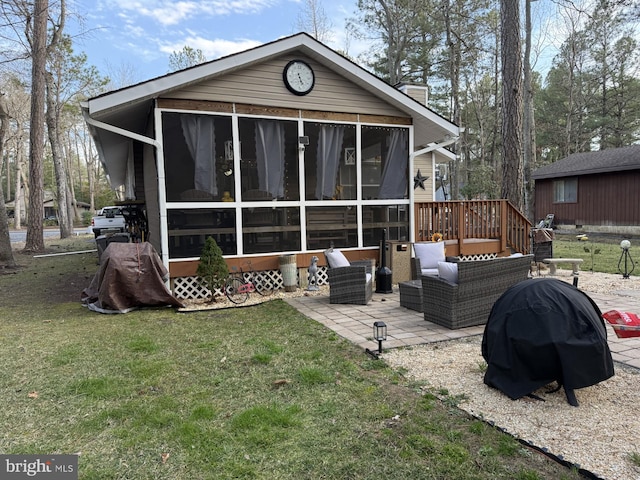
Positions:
(462, 231)
(503, 224)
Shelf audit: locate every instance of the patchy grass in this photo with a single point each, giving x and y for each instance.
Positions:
(256, 393)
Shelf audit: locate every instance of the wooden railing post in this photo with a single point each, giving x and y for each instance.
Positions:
(503, 224)
(462, 231)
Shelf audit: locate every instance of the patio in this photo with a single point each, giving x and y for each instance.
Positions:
(406, 327)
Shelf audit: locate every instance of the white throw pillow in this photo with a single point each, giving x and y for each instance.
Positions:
(429, 254)
(336, 258)
(429, 272)
(448, 271)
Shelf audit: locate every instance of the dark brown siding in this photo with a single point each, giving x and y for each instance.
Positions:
(610, 199)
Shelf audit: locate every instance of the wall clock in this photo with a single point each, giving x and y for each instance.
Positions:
(298, 77)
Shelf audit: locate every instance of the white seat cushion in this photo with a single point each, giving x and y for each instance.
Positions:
(336, 258)
(429, 253)
(448, 271)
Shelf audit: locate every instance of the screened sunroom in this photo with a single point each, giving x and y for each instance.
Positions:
(265, 185)
(226, 150)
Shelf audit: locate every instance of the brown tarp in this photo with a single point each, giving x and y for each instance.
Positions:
(131, 275)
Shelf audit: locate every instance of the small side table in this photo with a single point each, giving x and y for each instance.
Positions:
(411, 294)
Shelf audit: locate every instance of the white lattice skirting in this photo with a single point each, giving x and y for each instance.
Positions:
(190, 288)
(479, 256)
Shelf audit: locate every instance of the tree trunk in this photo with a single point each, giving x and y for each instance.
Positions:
(512, 182)
(454, 79)
(17, 217)
(6, 254)
(64, 221)
(35, 239)
(529, 134)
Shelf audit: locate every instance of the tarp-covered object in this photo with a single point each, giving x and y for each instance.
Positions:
(131, 275)
(545, 330)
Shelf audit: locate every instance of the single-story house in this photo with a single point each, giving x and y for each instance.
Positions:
(286, 148)
(592, 191)
(49, 206)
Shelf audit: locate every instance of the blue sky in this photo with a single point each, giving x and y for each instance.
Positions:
(139, 35)
(134, 38)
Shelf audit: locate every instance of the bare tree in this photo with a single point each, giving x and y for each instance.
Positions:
(6, 254)
(36, 31)
(53, 79)
(185, 58)
(512, 182)
(313, 20)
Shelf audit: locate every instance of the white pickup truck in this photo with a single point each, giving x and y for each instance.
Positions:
(108, 219)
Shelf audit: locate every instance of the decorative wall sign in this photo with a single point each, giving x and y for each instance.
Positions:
(349, 156)
(418, 181)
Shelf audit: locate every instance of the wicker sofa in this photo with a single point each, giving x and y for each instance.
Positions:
(479, 284)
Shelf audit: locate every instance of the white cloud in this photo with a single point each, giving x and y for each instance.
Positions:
(168, 12)
(211, 49)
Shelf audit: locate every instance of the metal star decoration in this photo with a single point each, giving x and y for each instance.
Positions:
(418, 181)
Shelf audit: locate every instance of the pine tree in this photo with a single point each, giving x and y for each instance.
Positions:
(212, 269)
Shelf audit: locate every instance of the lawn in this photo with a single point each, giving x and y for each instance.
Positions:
(601, 253)
(259, 392)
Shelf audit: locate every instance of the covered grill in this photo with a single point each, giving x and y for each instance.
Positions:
(543, 330)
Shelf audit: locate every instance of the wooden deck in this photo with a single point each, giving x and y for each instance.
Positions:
(474, 227)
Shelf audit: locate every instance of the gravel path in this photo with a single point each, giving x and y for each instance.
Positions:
(601, 435)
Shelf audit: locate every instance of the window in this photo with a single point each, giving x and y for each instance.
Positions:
(376, 218)
(270, 229)
(269, 159)
(188, 230)
(385, 163)
(337, 226)
(330, 162)
(565, 191)
(196, 160)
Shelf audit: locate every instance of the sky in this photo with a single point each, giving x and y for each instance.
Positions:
(138, 36)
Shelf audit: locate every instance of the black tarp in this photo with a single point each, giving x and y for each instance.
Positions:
(544, 330)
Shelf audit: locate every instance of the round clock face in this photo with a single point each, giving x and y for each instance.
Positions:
(298, 77)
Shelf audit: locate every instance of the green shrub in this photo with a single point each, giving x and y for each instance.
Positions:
(212, 270)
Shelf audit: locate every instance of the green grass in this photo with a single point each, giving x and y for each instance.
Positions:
(251, 393)
(600, 254)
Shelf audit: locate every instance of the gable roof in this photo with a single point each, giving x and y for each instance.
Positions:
(129, 107)
(589, 163)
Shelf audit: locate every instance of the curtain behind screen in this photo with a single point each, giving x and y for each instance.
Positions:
(270, 157)
(199, 134)
(393, 183)
(328, 159)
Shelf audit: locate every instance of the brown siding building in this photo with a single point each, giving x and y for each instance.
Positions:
(593, 191)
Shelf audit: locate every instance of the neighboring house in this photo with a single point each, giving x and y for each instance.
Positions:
(286, 148)
(49, 206)
(593, 191)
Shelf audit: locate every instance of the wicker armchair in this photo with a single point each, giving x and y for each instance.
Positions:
(469, 301)
(349, 282)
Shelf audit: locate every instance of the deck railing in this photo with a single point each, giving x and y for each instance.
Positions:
(475, 219)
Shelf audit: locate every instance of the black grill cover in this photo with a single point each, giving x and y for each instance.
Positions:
(545, 330)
